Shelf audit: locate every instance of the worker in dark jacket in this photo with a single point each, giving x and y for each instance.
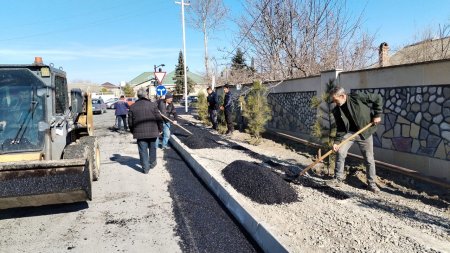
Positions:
(145, 121)
(213, 106)
(353, 112)
(167, 109)
(121, 112)
(227, 108)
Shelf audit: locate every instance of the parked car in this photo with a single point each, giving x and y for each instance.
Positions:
(110, 103)
(131, 101)
(191, 99)
(98, 106)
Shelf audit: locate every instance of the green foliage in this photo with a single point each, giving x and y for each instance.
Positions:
(179, 77)
(256, 111)
(323, 128)
(238, 60)
(202, 108)
(104, 89)
(222, 126)
(128, 90)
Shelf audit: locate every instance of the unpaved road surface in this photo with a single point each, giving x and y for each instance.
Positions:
(406, 216)
(167, 210)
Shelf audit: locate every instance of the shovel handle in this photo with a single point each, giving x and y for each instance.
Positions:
(167, 118)
(331, 151)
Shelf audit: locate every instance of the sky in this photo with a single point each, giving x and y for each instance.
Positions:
(116, 40)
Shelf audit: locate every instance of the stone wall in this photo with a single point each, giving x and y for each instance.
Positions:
(292, 111)
(416, 120)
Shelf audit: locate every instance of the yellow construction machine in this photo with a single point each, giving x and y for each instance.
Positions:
(48, 153)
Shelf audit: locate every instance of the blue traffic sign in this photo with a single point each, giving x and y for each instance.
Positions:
(161, 90)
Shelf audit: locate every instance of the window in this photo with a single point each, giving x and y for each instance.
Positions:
(61, 100)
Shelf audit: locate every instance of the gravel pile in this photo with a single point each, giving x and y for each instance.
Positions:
(292, 176)
(259, 183)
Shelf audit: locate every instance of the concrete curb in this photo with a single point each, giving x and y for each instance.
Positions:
(257, 231)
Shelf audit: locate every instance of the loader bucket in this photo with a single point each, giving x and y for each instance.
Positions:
(36, 183)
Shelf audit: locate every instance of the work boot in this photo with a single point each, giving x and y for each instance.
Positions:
(373, 188)
(335, 182)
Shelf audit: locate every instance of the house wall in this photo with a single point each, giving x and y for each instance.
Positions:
(415, 129)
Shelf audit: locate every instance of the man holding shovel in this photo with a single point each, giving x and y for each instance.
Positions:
(352, 113)
(166, 108)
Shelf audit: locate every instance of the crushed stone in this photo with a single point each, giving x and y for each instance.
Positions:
(259, 183)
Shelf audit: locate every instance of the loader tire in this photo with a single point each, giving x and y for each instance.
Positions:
(94, 151)
(82, 151)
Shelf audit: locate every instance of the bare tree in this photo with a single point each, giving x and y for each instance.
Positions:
(207, 15)
(296, 38)
(429, 44)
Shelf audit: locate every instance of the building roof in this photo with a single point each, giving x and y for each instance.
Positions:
(142, 78)
(168, 79)
(109, 85)
(427, 50)
(195, 77)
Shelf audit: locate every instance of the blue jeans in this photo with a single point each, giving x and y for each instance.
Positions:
(166, 135)
(120, 119)
(147, 153)
(366, 147)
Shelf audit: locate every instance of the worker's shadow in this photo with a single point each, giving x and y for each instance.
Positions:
(129, 161)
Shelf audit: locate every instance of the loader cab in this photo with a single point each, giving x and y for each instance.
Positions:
(22, 110)
(34, 110)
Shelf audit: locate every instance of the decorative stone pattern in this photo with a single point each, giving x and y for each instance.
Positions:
(416, 120)
(292, 111)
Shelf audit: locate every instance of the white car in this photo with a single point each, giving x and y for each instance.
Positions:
(110, 103)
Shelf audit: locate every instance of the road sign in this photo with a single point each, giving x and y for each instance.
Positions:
(160, 76)
(161, 90)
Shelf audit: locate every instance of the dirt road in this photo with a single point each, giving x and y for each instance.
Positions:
(164, 211)
(130, 211)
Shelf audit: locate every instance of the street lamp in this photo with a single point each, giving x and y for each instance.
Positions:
(160, 65)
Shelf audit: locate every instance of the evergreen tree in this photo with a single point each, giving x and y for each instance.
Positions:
(179, 77)
(128, 90)
(238, 60)
(202, 108)
(256, 112)
(323, 125)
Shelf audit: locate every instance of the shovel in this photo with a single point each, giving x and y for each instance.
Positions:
(331, 151)
(173, 123)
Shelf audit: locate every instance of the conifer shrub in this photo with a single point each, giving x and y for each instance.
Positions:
(256, 112)
(202, 108)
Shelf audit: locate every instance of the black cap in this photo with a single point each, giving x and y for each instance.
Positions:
(168, 95)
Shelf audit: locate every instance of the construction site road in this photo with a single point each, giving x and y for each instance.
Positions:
(167, 210)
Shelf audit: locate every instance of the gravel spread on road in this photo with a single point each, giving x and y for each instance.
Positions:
(259, 183)
(404, 217)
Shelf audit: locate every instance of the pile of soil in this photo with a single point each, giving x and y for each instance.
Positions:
(200, 138)
(259, 183)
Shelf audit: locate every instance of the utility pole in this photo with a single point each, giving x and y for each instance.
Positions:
(184, 54)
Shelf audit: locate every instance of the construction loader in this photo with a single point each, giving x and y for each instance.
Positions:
(48, 153)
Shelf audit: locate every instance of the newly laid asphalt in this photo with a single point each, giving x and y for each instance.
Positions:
(202, 223)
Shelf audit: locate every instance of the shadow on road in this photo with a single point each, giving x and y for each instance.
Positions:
(22, 212)
(129, 161)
